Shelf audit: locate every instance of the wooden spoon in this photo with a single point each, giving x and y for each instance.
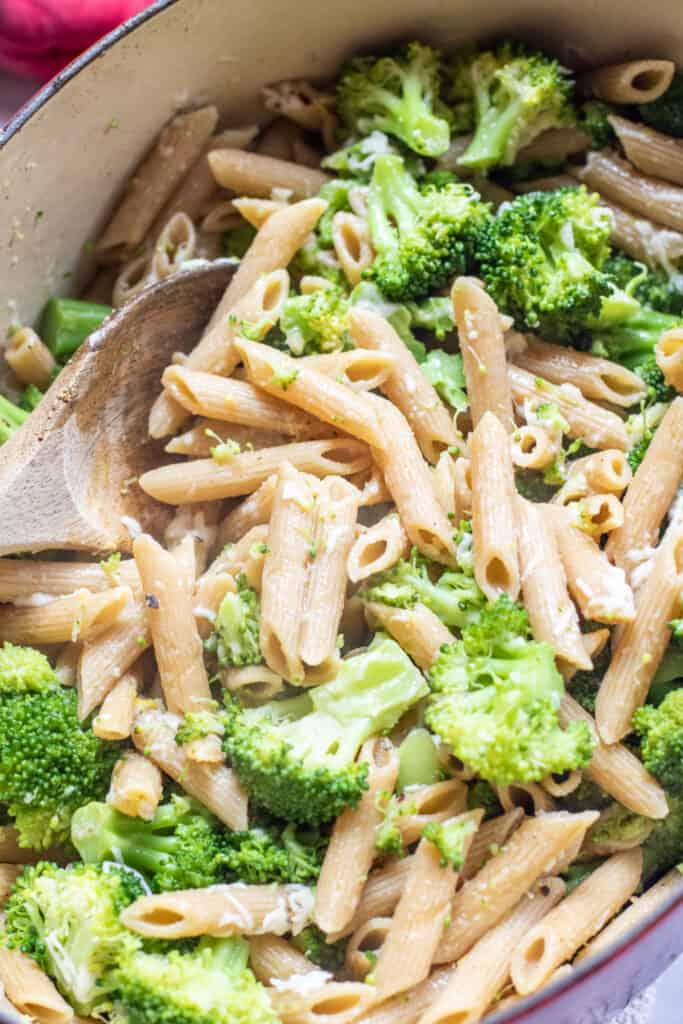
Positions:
(68, 476)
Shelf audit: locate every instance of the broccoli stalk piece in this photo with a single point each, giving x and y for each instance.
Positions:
(418, 760)
(398, 95)
(210, 983)
(451, 840)
(508, 96)
(422, 234)
(316, 322)
(11, 418)
(495, 699)
(542, 258)
(454, 596)
(665, 114)
(446, 373)
(296, 757)
(661, 740)
(618, 828)
(235, 638)
(67, 920)
(627, 332)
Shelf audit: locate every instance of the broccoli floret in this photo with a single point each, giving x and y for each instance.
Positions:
(422, 234)
(541, 259)
(657, 388)
(587, 796)
(296, 757)
(398, 95)
(336, 195)
(210, 984)
(583, 686)
(482, 794)
(593, 121)
(316, 322)
(508, 96)
(237, 241)
(197, 725)
(450, 839)
(328, 955)
(434, 314)
(653, 288)
(618, 826)
(67, 920)
(454, 596)
(11, 418)
(626, 330)
(495, 699)
(579, 871)
(235, 638)
(357, 159)
(661, 740)
(445, 371)
(388, 835)
(663, 849)
(24, 670)
(666, 113)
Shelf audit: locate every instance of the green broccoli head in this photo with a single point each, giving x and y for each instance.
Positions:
(481, 794)
(397, 95)
(311, 942)
(67, 920)
(24, 670)
(666, 113)
(583, 686)
(235, 637)
(661, 740)
(316, 322)
(296, 757)
(446, 373)
(618, 827)
(336, 195)
(451, 840)
(422, 234)
(657, 388)
(507, 96)
(210, 984)
(237, 241)
(357, 159)
(663, 849)
(592, 119)
(454, 596)
(654, 288)
(541, 260)
(495, 700)
(197, 725)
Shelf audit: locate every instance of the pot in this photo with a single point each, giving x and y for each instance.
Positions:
(66, 156)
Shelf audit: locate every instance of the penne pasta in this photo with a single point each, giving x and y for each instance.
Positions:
(488, 839)
(115, 717)
(377, 548)
(634, 81)
(621, 183)
(650, 151)
(78, 616)
(596, 378)
(272, 958)
(337, 1002)
(669, 356)
(361, 370)
(29, 358)
(206, 434)
(136, 786)
(496, 559)
(418, 630)
(109, 655)
(22, 579)
(254, 174)
(352, 245)
(30, 990)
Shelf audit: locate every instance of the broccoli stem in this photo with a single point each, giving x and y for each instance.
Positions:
(11, 418)
(490, 138)
(399, 202)
(66, 323)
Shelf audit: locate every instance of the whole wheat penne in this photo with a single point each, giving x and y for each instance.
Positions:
(418, 630)
(236, 909)
(134, 277)
(29, 358)
(650, 243)
(429, 804)
(552, 615)
(407, 1007)
(529, 796)
(372, 486)
(482, 973)
(650, 151)
(359, 369)
(605, 472)
(66, 664)
(364, 945)
(407, 387)
(531, 851)
(216, 786)
(253, 174)
(337, 1002)
(562, 785)
(595, 378)
(206, 434)
(596, 514)
(106, 658)
(207, 597)
(252, 511)
(380, 895)
(352, 850)
(257, 211)
(634, 81)
(78, 616)
(136, 786)
(598, 427)
(619, 772)
(22, 579)
(197, 523)
(176, 244)
(352, 245)
(619, 181)
(304, 104)
(30, 991)
(411, 485)
(271, 957)
(488, 839)
(532, 447)
(483, 351)
(115, 717)
(445, 480)
(377, 548)
(583, 913)
(554, 145)
(669, 356)
(256, 683)
(496, 560)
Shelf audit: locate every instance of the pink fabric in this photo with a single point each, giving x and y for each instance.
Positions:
(38, 37)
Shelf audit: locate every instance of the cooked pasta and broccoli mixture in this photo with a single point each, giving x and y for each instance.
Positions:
(388, 726)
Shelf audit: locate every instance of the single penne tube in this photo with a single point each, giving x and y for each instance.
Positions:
(106, 658)
(77, 617)
(364, 945)
(195, 526)
(360, 369)
(432, 804)
(482, 973)
(253, 511)
(462, 488)
(115, 718)
(255, 683)
(581, 915)
(380, 895)
(529, 796)
(236, 909)
(215, 786)
(652, 490)
(66, 664)
(206, 480)
(621, 183)
(634, 81)
(175, 637)
(645, 241)
(411, 485)
(564, 784)
(599, 588)
(652, 152)
(598, 427)
(618, 771)
(408, 1007)
(377, 548)
(407, 387)
(334, 1002)
(257, 211)
(352, 245)
(554, 145)
(418, 630)
(273, 958)
(446, 480)
(418, 921)
(669, 356)
(352, 850)
(207, 597)
(334, 526)
(155, 180)
(222, 216)
(134, 277)
(596, 514)
(496, 559)
(635, 913)
(640, 645)
(310, 390)
(530, 852)
(596, 378)
(237, 401)
(483, 351)
(552, 615)
(490, 837)
(30, 991)
(532, 447)
(22, 579)
(283, 593)
(176, 244)
(202, 437)
(29, 358)
(605, 472)
(136, 786)
(253, 174)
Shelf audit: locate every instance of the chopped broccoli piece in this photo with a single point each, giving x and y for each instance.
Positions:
(445, 371)
(583, 686)
(24, 670)
(534, 486)
(422, 234)
(593, 121)
(197, 725)
(11, 418)
(357, 159)
(640, 429)
(653, 288)
(235, 638)
(454, 596)
(398, 95)
(508, 96)
(316, 322)
(66, 323)
(328, 955)
(237, 241)
(67, 920)
(578, 872)
(434, 314)
(541, 260)
(210, 984)
(657, 388)
(617, 825)
(296, 757)
(450, 839)
(663, 849)
(661, 740)
(30, 397)
(495, 699)
(665, 114)
(418, 758)
(388, 835)
(318, 260)
(482, 794)
(631, 339)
